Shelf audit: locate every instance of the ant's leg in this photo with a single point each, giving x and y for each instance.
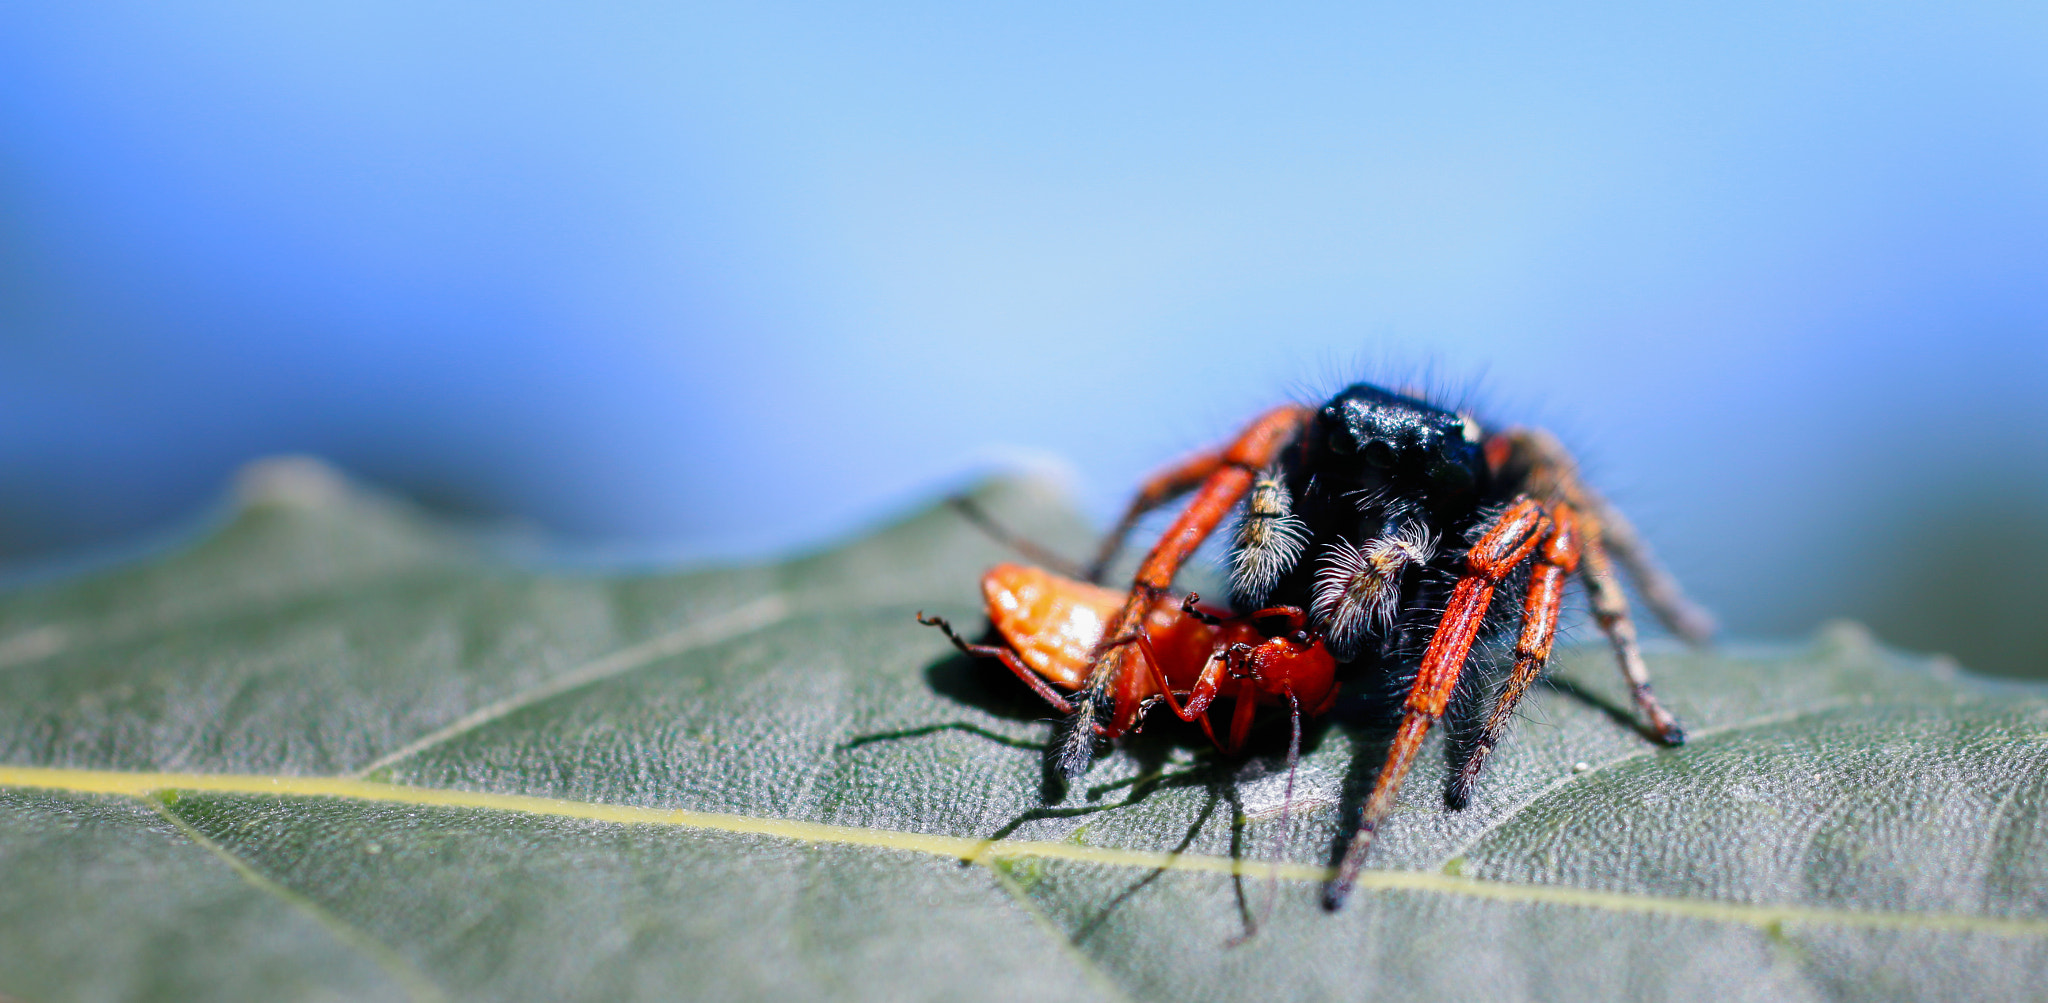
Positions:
(1254, 448)
(1007, 657)
(1280, 833)
(1555, 561)
(1489, 561)
(1293, 760)
(1241, 718)
(1206, 684)
(1187, 608)
(1199, 698)
(1610, 610)
(1160, 488)
(1297, 618)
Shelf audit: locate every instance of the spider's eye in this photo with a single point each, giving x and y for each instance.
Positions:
(1450, 476)
(1379, 454)
(1342, 442)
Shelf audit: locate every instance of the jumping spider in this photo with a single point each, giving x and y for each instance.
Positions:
(1393, 522)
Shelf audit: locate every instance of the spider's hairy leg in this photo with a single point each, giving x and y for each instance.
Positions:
(1270, 538)
(1503, 548)
(1610, 610)
(1229, 478)
(1660, 591)
(1004, 655)
(1555, 560)
(1162, 487)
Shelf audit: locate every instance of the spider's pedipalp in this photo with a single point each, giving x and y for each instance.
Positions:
(1359, 589)
(1270, 539)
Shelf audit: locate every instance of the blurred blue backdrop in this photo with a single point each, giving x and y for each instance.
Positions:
(714, 281)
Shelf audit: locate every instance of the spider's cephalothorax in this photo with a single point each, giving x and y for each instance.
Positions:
(1371, 489)
(1409, 533)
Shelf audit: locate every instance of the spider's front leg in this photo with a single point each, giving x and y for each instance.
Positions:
(1490, 560)
(1159, 489)
(1228, 475)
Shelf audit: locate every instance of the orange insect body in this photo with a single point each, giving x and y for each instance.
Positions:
(1054, 626)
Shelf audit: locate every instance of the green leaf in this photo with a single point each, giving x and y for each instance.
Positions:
(336, 750)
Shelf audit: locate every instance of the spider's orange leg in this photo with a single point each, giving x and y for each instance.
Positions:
(1554, 477)
(1659, 590)
(1610, 610)
(1489, 561)
(1227, 481)
(1555, 560)
(1160, 488)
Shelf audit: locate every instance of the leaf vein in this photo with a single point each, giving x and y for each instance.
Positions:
(141, 784)
(415, 982)
(723, 627)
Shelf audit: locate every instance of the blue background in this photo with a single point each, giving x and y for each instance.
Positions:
(712, 282)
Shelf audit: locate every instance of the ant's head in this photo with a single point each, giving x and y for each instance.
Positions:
(1378, 438)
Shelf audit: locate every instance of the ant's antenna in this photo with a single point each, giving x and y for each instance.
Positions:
(1038, 555)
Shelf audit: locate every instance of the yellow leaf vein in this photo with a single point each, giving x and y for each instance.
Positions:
(141, 784)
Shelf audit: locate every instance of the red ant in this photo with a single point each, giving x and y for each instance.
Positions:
(1052, 626)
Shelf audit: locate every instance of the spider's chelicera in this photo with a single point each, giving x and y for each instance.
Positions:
(1408, 533)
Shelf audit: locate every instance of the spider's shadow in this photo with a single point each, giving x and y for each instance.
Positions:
(1367, 719)
(1625, 716)
(1213, 773)
(1164, 743)
(1371, 722)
